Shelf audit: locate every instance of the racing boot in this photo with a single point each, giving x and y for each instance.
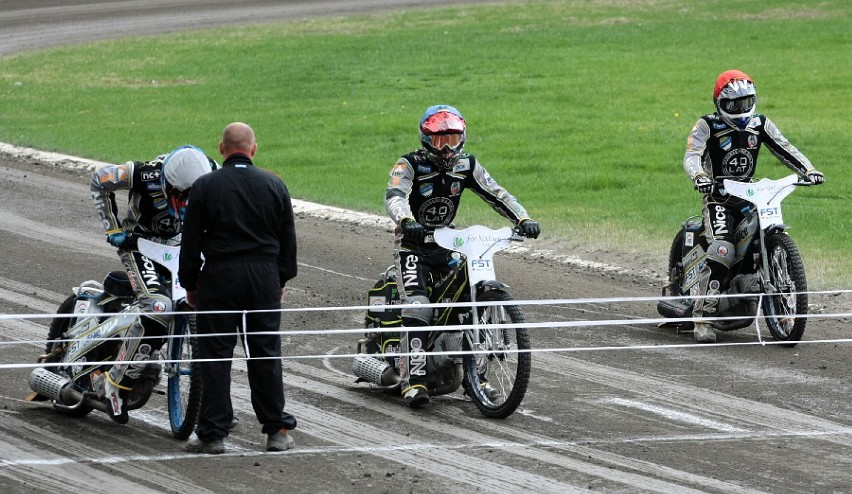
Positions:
(706, 305)
(413, 369)
(116, 384)
(115, 397)
(704, 333)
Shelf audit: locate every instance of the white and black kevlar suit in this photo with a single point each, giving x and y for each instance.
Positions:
(147, 216)
(724, 151)
(430, 195)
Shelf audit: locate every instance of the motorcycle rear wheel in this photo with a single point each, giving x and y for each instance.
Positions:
(787, 275)
(497, 380)
(58, 326)
(184, 377)
(676, 277)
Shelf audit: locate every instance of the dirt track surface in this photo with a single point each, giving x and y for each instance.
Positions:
(672, 419)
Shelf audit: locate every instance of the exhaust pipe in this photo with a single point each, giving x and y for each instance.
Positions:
(375, 371)
(58, 389)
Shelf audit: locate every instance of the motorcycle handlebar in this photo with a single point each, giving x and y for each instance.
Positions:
(718, 183)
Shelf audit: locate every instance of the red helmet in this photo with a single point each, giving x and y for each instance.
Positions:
(442, 133)
(734, 96)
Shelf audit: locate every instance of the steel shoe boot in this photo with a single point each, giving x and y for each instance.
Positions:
(416, 396)
(704, 333)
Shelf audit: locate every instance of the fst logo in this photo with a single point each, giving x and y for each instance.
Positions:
(478, 264)
(769, 212)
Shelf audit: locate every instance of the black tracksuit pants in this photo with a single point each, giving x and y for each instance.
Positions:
(236, 286)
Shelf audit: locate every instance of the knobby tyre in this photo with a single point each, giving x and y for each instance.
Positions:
(676, 274)
(787, 275)
(184, 376)
(497, 378)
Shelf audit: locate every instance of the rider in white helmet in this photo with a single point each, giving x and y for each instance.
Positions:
(157, 196)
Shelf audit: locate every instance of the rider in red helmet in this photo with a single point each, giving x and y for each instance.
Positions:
(725, 144)
(424, 193)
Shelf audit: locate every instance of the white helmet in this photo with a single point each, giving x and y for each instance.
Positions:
(181, 169)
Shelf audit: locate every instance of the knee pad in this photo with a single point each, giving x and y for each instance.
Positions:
(722, 252)
(154, 306)
(417, 316)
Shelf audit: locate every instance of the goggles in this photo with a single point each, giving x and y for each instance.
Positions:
(177, 200)
(738, 106)
(450, 141)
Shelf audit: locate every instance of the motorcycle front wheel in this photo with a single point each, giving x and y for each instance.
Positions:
(786, 298)
(184, 377)
(496, 377)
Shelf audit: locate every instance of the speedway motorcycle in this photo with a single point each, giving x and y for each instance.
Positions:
(477, 347)
(767, 276)
(88, 331)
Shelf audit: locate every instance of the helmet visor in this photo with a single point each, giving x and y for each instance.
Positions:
(450, 141)
(738, 106)
(177, 200)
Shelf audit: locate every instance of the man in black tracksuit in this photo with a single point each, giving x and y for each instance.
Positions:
(241, 220)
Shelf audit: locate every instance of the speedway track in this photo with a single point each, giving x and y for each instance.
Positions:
(678, 419)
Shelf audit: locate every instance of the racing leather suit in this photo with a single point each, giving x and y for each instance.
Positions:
(721, 151)
(147, 216)
(430, 195)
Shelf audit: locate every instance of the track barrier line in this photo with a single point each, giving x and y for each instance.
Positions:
(459, 327)
(691, 345)
(542, 302)
(526, 325)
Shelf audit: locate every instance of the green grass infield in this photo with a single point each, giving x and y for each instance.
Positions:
(581, 109)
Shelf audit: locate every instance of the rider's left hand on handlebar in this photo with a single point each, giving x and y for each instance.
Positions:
(117, 239)
(703, 183)
(530, 228)
(815, 177)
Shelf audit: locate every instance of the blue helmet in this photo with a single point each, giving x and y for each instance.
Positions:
(443, 133)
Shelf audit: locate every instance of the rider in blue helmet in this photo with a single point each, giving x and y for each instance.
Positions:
(424, 192)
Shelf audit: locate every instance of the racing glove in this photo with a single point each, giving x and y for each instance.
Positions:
(703, 183)
(530, 228)
(815, 177)
(412, 230)
(117, 239)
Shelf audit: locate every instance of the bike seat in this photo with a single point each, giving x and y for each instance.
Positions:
(117, 284)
